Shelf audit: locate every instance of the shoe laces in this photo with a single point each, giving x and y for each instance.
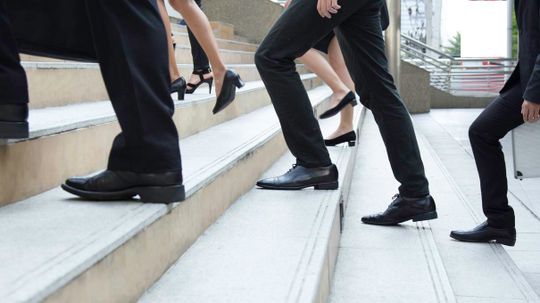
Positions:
(395, 198)
(293, 168)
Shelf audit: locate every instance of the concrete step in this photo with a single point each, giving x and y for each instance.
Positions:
(183, 56)
(56, 248)
(447, 131)
(75, 139)
(64, 83)
(182, 38)
(270, 246)
(418, 262)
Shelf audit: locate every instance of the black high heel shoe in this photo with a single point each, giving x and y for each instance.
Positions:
(228, 91)
(179, 86)
(349, 137)
(350, 98)
(191, 88)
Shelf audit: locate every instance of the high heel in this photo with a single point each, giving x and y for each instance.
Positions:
(179, 86)
(350, 98)
(349, 137)
(191, 88)
(231, 82)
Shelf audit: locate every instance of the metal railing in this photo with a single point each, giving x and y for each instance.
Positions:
(457, 75)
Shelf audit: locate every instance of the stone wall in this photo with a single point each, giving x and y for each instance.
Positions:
(251, 18)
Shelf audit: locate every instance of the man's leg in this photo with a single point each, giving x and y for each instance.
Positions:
(130, 42)
(131, 46)
(500, 117)
(361, 40)
(296, 31)
(13, 84)
(362, 44)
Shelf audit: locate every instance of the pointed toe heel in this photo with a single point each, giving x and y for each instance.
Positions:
(231, 82)
(425, 217)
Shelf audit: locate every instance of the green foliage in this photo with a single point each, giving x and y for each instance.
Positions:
(515, 37)
(454, 48)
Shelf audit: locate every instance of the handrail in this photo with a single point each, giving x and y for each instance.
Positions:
(457, 75)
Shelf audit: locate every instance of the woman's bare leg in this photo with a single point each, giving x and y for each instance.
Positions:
(318, 64)
(335, 57)
(173, 68)
(200, 26)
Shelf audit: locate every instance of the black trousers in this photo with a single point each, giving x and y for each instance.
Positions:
(500, 117)
(200, 60)
(128, 39)
(358, 28)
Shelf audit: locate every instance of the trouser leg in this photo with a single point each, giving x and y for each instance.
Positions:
(200, 60)
(131, 46)
(361, 41)
(295, 32)
(500, 117)
(13, 83)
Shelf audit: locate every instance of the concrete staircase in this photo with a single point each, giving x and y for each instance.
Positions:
(230, 242)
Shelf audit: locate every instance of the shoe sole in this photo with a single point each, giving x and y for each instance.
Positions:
(14, 130)
(318, 186)
(501, 241)
(417, 218)
(147, 194)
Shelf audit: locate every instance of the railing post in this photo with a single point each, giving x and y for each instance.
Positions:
(393, 39)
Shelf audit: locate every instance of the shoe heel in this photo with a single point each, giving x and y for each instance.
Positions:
(14, 130)
(352, 143)
(181, 94)
(238, 82)
(210, 83)
(327, 186)
(427, 216)
(162, 194)
(507, 242)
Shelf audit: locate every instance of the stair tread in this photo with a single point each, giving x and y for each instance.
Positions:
(68, 236)
(268, 247)
(54, 120)
(442, 270)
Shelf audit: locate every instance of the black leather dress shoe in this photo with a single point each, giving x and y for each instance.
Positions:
(300, 177)
(115, 185)
(13, 121)
(405, 209)
(485, 233)
(350, 98)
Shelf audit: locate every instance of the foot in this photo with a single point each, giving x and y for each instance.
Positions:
(219, 76)
(300, 177)
(337, 106)
(13, 121)
(404, 209)
(348, 137)
(116, 185)
(484, 233)
(339, 132)
(196, 79)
